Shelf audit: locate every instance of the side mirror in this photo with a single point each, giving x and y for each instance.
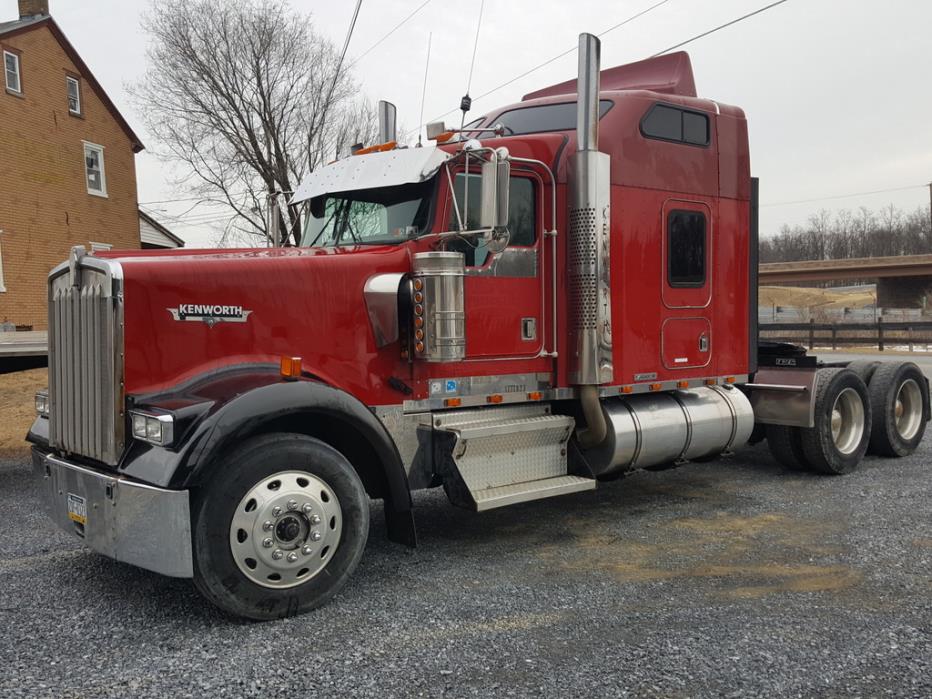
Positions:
(496, 180)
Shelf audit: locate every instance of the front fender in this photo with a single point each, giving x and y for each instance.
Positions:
(216, 414)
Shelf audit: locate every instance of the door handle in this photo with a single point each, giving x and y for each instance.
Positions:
(703, 343)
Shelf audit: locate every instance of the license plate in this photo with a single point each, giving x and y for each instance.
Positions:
(77, 508)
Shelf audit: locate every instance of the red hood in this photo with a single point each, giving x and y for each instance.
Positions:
(188, 312)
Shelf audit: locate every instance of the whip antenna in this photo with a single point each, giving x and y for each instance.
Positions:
(466, 102)
(424, 90)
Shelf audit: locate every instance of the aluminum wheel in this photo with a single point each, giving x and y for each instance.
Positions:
(847, 421)
(285, 529)
(908, 409)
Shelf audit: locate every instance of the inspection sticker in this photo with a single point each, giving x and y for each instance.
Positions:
(77, 508)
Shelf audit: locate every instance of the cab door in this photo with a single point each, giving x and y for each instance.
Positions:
(687, 286)
(503, 292)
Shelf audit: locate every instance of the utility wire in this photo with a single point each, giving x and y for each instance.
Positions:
(547, 62)
(392, 31)
(846, 196)
(721, 26)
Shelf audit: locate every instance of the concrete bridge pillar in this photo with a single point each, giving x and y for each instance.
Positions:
(904, 292)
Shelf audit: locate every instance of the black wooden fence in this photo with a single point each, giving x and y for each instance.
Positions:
(880, 334)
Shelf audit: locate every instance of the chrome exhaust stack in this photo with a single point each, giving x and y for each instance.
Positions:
(387, 121)
(590, 334)
(588, 249)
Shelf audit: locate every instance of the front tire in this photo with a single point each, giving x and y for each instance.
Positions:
(279, 528)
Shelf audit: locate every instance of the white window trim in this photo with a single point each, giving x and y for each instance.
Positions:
(19, 73)
(2, 286)
(77, 84)
(100, 246)
(103, 171)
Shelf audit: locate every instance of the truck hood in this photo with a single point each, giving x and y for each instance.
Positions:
(192, 312)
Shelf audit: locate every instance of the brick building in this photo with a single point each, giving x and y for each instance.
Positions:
(67, 162)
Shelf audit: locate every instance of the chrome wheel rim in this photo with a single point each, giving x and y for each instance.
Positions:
(847, 421)
(907, 409)
(285, 529)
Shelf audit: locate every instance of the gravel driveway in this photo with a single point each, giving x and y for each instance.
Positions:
(719, 579)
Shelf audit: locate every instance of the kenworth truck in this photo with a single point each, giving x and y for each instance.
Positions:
(553, 296)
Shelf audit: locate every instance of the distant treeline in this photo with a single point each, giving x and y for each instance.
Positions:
(861, 233)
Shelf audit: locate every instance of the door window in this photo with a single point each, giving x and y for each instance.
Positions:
(522, 218)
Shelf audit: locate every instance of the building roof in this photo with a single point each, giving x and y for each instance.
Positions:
(143, 216)
(18, 26)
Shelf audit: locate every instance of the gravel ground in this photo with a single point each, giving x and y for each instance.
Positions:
(731, 578)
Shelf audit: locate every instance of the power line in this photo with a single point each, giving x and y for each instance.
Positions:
(548, 61)
(845, 196)
(392, 31)
(721, 26)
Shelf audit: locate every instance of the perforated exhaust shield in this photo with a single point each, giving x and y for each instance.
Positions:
(588, 248)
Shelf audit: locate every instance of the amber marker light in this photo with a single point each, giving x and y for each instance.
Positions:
(452, 402)
(419, 347)
(418, 297)
(730, 379)
(495, 398)
(710, 382)
(535, 395)
(419, 310)
(418, 322)
(290, 367)
(655, 386)
(627, 389)
(419, 334)
(682, 384)
(418, 284)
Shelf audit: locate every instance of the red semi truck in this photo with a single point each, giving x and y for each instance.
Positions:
(558, 294)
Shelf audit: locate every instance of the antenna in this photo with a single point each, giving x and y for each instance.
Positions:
(466, 102)
(424, 90)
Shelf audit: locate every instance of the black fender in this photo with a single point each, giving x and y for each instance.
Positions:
(221, 411)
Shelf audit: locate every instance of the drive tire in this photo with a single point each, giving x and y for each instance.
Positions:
(898, 387)
(840, 395)
(786, 446)
(864, 368)
(220, 578)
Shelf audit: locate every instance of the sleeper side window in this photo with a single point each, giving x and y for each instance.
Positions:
(686, 245)
(668, 123)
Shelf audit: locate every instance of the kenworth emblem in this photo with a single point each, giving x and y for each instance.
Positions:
(210, 314)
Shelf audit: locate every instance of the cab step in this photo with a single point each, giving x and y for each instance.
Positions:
(494, 457)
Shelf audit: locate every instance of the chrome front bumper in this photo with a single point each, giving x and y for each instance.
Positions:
(126, 520)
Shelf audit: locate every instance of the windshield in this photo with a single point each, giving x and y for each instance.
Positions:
(369, 216)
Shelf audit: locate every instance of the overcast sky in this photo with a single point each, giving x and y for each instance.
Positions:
(836, 92)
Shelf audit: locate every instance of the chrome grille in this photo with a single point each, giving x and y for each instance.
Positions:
(85, 358)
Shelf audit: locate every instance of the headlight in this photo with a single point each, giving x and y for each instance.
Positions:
(154, 428)
(42, 403)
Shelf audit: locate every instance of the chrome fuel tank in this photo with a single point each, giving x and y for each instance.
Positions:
(657, 428)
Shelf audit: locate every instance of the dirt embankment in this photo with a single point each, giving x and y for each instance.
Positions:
(804, 297)
(17, 407)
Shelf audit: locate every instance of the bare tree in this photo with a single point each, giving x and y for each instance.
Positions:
(246, 97)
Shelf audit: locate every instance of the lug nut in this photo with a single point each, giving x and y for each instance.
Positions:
(315, 536)
(307, 550)
(314, 519)
(267, 525)
(277, 554)
(292, 505)
(292, 557)
(267, 543)
(276, 511)
(306, 509)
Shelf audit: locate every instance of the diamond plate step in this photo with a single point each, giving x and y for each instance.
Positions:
(497, 457)
(534, 490)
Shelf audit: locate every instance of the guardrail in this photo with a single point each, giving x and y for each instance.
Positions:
(881, 333)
